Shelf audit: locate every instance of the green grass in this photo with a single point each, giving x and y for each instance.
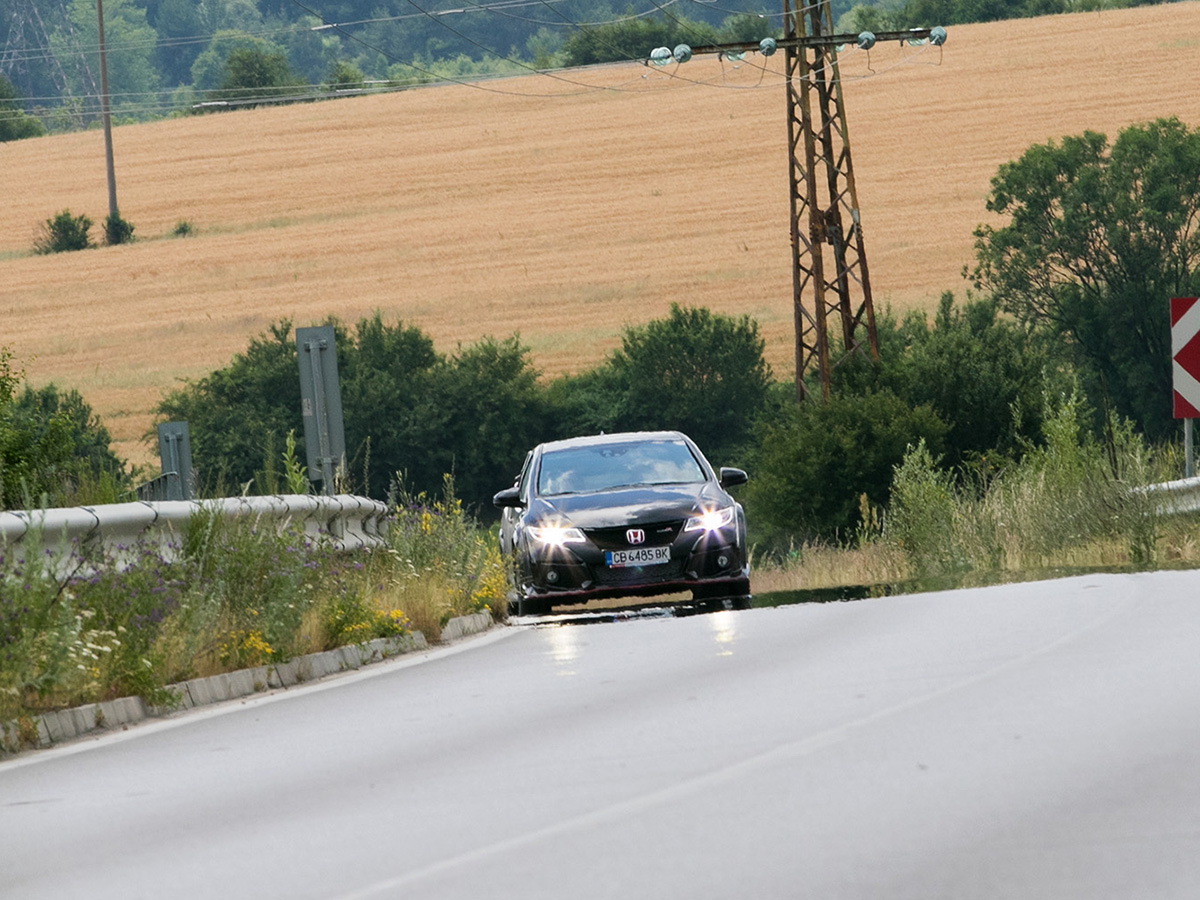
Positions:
(233, 594)
(1068, 506)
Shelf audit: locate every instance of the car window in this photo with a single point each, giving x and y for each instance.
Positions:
(578, 470)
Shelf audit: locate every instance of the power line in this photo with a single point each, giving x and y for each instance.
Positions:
(167, 99)
(830, 279)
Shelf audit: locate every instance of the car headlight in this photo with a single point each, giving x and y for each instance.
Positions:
(556, 535)
(710, 520)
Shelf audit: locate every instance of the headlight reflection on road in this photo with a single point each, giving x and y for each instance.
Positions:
(564, 647)
(724, 626)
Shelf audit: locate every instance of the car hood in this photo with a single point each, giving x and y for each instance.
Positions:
(635, 506)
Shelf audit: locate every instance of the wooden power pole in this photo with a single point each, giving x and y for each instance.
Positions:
(106, 120)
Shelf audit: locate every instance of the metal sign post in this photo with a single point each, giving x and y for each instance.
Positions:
(1185, 370)
(175, 451)
(321, 404)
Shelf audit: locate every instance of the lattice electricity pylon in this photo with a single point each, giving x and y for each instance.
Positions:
(829, 260)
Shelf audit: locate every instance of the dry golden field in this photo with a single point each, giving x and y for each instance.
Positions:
(561, 207)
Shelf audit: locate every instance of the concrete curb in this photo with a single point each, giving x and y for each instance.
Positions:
(69, 724)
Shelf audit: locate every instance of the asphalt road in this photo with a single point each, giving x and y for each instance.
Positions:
(1030, 741)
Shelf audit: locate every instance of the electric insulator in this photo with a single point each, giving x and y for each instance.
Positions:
(682, 53)
(766, 46)
(660, 56)
(866, 40)
(937, 36)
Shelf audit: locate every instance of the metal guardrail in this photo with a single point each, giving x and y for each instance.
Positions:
(167, 486)
(1182, 496)
(344, 521)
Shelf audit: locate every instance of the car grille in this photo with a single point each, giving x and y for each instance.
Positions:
(614, 538)
(637, 575)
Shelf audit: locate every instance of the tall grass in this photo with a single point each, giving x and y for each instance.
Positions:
(1071, 503)
(80, 625)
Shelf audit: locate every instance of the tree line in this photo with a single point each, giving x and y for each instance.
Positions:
(166, 57)
(1069, 299)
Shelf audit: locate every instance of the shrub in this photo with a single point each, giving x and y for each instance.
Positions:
(1063, 497)
(14, 123)
(700, 372)
(64, 232)
(117, 231)
(815, 460)
(921, 512)
(52, 448)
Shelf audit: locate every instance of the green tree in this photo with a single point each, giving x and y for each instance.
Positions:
(489, 410)
(253, 73)
(983, 374)
(237, 414)
(50, 443)
(14, 123)
(408, 411)
(815, 460)
(210, 68)
(697, 371)
(1098, 239)
(585, 403)
(90, 440)
(176, 23)
(132, 75)
(748, 27)
(387, 374)
(627, 39)
(343, 74)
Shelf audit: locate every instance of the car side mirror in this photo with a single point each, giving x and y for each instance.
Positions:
(508, 497)
(731, 477)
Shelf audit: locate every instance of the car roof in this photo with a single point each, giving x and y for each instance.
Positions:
(623, 437)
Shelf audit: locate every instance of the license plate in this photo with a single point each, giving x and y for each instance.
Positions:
(639, 556)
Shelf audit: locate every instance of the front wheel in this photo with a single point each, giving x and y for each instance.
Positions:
(739, 590)
(529, 606)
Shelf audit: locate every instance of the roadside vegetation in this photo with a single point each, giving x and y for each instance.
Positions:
(1009, 436)
(87, 625)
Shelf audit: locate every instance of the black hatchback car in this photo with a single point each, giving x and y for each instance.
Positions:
(622, 514)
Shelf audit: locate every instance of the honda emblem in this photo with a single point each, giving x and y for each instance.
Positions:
(635, 536)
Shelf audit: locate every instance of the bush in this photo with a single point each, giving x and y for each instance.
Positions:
(406, 408)
(921, 512)
(815, 461)
(983, 375)
(53, 449)
(87, 625)
(117, 231)
(700, 372)
(1060, 501)
(64, 232)
(14, 123)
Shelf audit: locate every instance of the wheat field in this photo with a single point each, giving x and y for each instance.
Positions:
(562, 207)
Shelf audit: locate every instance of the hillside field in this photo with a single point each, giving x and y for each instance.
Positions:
(563, 207)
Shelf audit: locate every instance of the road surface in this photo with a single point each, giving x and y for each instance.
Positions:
(1027, 741)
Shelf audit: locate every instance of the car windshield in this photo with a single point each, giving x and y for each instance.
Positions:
(602, 467)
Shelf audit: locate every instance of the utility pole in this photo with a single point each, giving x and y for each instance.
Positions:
(830, 281)
(113, 215)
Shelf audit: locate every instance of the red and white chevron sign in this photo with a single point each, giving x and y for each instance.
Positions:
(1185, 355)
